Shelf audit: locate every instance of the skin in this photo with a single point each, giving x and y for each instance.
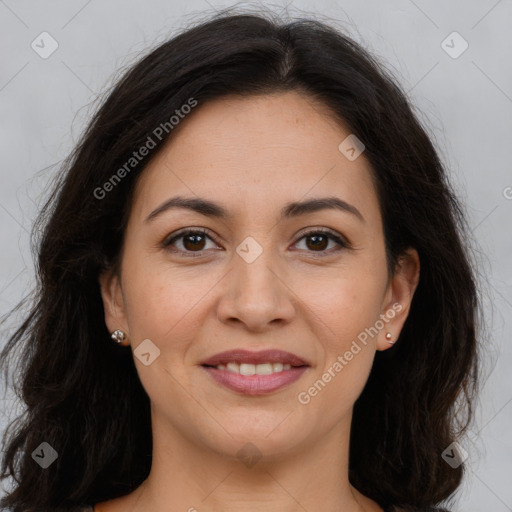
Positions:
(253, 155)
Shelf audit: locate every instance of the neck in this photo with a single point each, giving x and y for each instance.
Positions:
(188, 476)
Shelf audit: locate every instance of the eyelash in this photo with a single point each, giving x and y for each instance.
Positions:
(332, 235)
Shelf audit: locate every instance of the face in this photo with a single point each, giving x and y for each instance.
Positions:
(256, 279)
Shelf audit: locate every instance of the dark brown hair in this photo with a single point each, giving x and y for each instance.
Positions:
(82, 392)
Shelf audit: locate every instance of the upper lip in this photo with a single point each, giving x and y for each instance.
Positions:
(263, 356)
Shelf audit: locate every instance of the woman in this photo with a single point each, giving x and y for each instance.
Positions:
(253, 290)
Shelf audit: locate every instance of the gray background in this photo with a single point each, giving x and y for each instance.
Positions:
(465, 103)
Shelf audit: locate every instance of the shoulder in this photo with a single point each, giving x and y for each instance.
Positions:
(76, 508)
(412, 509)
(424, 509)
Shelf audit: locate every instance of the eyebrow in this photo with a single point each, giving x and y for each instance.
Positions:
(290, 210)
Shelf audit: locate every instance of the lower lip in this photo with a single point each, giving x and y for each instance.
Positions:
(255, 384)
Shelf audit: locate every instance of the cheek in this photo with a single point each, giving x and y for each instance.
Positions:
(346, 311)
(347, 306)
(166, 304)
(344, 315)
(159, 301)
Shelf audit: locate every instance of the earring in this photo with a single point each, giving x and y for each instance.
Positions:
(388, 337)
(118, 336)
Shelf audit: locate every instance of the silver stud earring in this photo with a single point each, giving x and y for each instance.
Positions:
(388, 337)
(118, 336)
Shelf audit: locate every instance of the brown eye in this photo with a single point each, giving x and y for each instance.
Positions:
(317, 241)
(191, 240)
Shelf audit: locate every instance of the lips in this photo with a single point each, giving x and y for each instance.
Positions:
(255, 373)
(255, 384)
(241, 356)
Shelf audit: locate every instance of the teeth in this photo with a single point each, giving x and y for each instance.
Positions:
(248, 369)
(254, 369)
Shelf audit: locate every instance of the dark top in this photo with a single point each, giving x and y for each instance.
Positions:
(397, 509)
(90, 508)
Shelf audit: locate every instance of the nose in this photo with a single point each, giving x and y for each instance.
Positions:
(257, 294)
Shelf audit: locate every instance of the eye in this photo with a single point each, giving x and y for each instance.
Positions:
(192, 240)
(320, 239)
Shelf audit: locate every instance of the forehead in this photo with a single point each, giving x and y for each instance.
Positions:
(256, 152)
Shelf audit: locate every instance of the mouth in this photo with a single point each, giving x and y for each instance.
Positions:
(253, 369)
(255, 373)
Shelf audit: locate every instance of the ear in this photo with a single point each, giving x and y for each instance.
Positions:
(113, 302)
(398, 297)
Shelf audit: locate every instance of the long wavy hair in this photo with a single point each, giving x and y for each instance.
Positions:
(81, 391)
